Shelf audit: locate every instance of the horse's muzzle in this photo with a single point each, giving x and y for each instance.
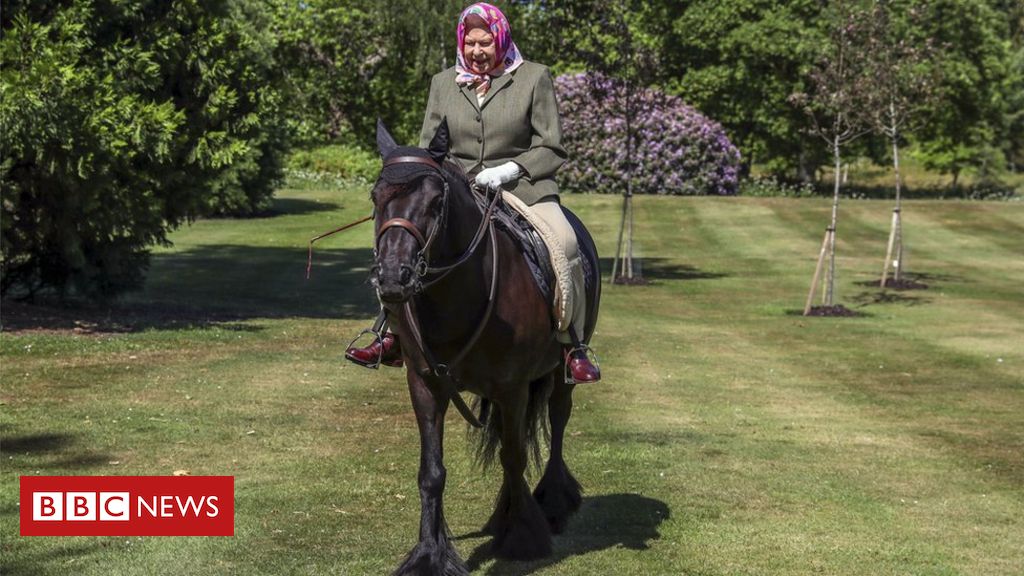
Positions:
(396, 285)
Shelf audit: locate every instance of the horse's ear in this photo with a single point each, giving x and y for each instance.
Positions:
(438, 147)
(385, 143)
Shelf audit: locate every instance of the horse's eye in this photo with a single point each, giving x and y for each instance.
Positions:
(436, 204)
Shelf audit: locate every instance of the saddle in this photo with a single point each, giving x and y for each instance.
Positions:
(544, 268)
(530, 245)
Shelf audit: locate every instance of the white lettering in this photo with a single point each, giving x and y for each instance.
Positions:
(190, 503)
(114, 506)
(80, 506)
(212, 503)
(47, 506)
(167, 506)
(144, 504)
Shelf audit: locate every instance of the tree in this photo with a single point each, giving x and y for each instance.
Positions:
(968, 125)
(738, 62)
(838, 104)
(1014, 144)
(614, 47)
(119, 122)
(902, 83)
(349, 62)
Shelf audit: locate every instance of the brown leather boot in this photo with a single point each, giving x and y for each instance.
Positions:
(387, 350)
(581, 369)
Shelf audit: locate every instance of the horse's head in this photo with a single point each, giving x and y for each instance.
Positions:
(410, 205)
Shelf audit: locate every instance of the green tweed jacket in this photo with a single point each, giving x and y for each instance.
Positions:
(517, 121)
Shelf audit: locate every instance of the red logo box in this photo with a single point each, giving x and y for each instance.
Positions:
(127, 505)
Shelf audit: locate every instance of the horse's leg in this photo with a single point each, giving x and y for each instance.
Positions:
(434, 554)
(558, 493)
(519, 528)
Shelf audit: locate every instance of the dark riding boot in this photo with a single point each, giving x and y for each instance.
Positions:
(387, 350)
(581, 369)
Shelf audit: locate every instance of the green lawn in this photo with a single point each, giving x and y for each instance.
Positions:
(729, 436)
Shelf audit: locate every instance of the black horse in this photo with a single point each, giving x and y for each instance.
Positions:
(464, 303)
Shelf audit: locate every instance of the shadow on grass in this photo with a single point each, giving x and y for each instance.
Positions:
(49, 559)
(919, 278)
(18, 445)
(220, 285)
(609, 521)
(977, 191)
(52, 452)
(885, 297)
(655, 269)
(226, 285)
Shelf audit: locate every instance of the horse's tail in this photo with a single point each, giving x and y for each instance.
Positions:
(487, 440)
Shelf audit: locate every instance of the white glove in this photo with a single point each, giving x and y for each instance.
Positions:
(494, 177)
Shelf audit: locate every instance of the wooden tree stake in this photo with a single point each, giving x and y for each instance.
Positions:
(888, 250)
(817, 271)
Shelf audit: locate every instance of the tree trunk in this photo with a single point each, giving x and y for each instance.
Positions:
(618, 245)
(625, 244)
(830, 279)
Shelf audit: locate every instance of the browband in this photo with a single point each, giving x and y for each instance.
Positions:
(414, 159)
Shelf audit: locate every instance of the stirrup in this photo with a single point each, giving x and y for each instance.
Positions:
(378, 338)
(588, 352)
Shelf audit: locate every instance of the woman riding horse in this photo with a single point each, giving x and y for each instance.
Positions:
(505, 132)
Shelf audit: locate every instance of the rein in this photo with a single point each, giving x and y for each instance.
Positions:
(443, 371)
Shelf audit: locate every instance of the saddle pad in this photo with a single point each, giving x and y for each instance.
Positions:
(561, 306)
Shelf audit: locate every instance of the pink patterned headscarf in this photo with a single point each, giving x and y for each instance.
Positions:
(506, 54)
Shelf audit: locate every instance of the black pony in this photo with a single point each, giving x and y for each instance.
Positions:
(465, 305)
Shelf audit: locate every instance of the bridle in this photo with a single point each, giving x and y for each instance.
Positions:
(422, 266)
(428, 275)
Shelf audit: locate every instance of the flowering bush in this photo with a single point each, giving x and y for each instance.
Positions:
(678, 150)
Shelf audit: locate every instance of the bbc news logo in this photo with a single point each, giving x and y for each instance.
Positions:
(127, 506)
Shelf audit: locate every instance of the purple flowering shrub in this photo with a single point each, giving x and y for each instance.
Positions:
(678, 150)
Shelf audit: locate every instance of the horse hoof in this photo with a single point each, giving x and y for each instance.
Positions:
(559, 496)
(524, 538)
(426, 559)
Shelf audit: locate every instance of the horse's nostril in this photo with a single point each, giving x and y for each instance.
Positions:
(406, 275)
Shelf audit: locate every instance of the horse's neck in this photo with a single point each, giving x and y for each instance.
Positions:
(463, 221)
(452, 306)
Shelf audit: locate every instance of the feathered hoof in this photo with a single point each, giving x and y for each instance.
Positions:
(523, 537)
(433, 559)
(559, 496)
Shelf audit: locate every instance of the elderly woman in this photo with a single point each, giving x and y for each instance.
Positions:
(505, 132)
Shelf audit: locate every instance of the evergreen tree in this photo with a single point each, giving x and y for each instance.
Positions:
(119, 121)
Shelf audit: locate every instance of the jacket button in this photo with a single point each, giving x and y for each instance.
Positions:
(480, 139)
(477, 117)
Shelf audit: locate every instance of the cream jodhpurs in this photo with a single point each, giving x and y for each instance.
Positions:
(551, 213)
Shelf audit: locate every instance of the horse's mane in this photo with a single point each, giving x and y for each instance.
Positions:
(454, 169)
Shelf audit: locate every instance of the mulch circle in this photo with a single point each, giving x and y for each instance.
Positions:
(837, 310)
(905, 284)
(634, 281)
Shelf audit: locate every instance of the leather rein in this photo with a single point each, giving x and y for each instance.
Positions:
(427, 275)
